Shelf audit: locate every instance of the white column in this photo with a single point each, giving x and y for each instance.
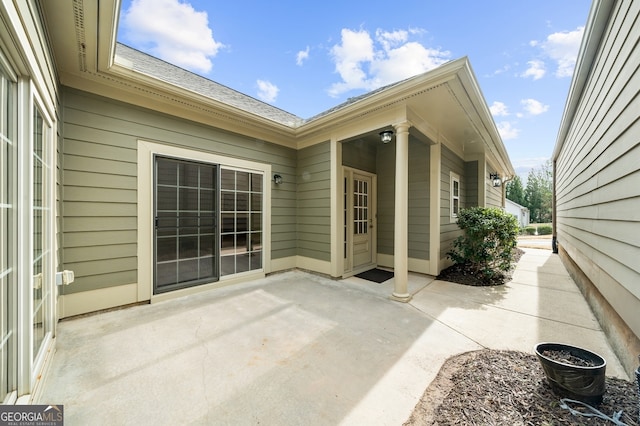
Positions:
(401, 224)
(435, 166)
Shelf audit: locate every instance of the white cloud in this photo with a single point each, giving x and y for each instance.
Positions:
(498, 109)
(536, 69)
(563, 48)
(302, 56)
(507, 131)
(365, 63)
(173, 31)
(534, 107)
(267, 91)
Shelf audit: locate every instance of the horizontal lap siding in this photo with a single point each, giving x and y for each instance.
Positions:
(418, 220)
(471, 187)
(598, 170)
(449, 229)
(386, 172)
(313, 223)
(99, 195)
(493, 193)
(418, 200)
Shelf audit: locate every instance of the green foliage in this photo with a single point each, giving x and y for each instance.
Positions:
(515, 190)
(486, 248)
(538, 193)
(545, 230)
(530, 230)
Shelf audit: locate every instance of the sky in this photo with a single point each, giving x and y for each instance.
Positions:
(307, 57)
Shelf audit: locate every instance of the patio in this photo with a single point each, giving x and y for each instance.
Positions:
(297, 348)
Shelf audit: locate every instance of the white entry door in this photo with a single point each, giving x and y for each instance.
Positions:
(362, 220)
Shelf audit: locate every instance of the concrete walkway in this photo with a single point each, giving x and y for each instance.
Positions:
(295, 348)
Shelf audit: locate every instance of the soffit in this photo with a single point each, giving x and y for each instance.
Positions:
(444, 104)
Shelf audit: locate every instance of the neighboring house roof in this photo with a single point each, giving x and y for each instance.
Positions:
(514, 204)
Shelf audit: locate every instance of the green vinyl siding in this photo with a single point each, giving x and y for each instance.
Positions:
(597, 171)
(99, 193)
(471, 180)
(418, 219)
(419, 170)
(313, 225)
(493, 193)
(359, 155)
(386, 172)
(449, 229)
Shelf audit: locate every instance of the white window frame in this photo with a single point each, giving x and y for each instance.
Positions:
(10, 210)
(37, 356)
(146, 152)
(453, 179)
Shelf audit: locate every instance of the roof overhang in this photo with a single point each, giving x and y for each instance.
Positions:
(444, 105)
(593, 33)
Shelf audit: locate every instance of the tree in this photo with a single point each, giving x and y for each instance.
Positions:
(515, 191)
(538, 193)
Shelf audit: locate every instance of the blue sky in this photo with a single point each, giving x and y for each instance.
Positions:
(306, 57)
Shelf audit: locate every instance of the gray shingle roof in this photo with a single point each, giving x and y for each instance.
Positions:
(157, 68)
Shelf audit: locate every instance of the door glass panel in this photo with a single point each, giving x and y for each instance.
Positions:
(8, 246)
(41, 211)
(185, 216)
(241, 221)
(360, 207)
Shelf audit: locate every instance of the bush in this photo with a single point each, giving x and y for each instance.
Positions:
(530, 230)
(487, 246)
(545, 230)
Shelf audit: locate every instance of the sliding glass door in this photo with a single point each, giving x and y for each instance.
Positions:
(185, 224)
(208, 222)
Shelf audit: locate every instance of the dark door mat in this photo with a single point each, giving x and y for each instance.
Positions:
(376, 275)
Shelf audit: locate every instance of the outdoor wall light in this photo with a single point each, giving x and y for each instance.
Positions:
(277, 179)
(495, 179)
(386, 136)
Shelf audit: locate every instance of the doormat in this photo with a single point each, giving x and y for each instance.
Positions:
(376, 275)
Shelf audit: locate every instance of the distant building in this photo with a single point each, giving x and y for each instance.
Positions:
(520, 212)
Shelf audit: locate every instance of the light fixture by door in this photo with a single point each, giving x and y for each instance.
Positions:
(277, 179)
(386, 136)
(495, 179)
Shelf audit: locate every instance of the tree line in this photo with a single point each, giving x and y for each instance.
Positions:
(537, 195)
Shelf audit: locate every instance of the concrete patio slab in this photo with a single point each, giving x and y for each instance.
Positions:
(296, 348)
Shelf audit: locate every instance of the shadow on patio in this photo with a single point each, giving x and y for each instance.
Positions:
(295, 348)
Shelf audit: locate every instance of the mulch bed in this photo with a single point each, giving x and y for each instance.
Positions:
(462, 274)
(490, 387)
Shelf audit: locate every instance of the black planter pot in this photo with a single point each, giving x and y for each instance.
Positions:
(586, 384)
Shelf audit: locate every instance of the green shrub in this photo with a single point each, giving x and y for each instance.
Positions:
(545, 230)
(486, 248)
(530, 230)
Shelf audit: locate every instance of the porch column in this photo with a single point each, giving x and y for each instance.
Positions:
(401, 221)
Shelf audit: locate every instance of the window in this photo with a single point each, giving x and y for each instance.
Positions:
(241, 221)
(455, 194)
(41, 214)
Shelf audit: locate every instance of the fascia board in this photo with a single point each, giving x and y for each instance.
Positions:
(153, 84)
(593, 34)
(479, 103)
(151, 97)
(384, 98)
